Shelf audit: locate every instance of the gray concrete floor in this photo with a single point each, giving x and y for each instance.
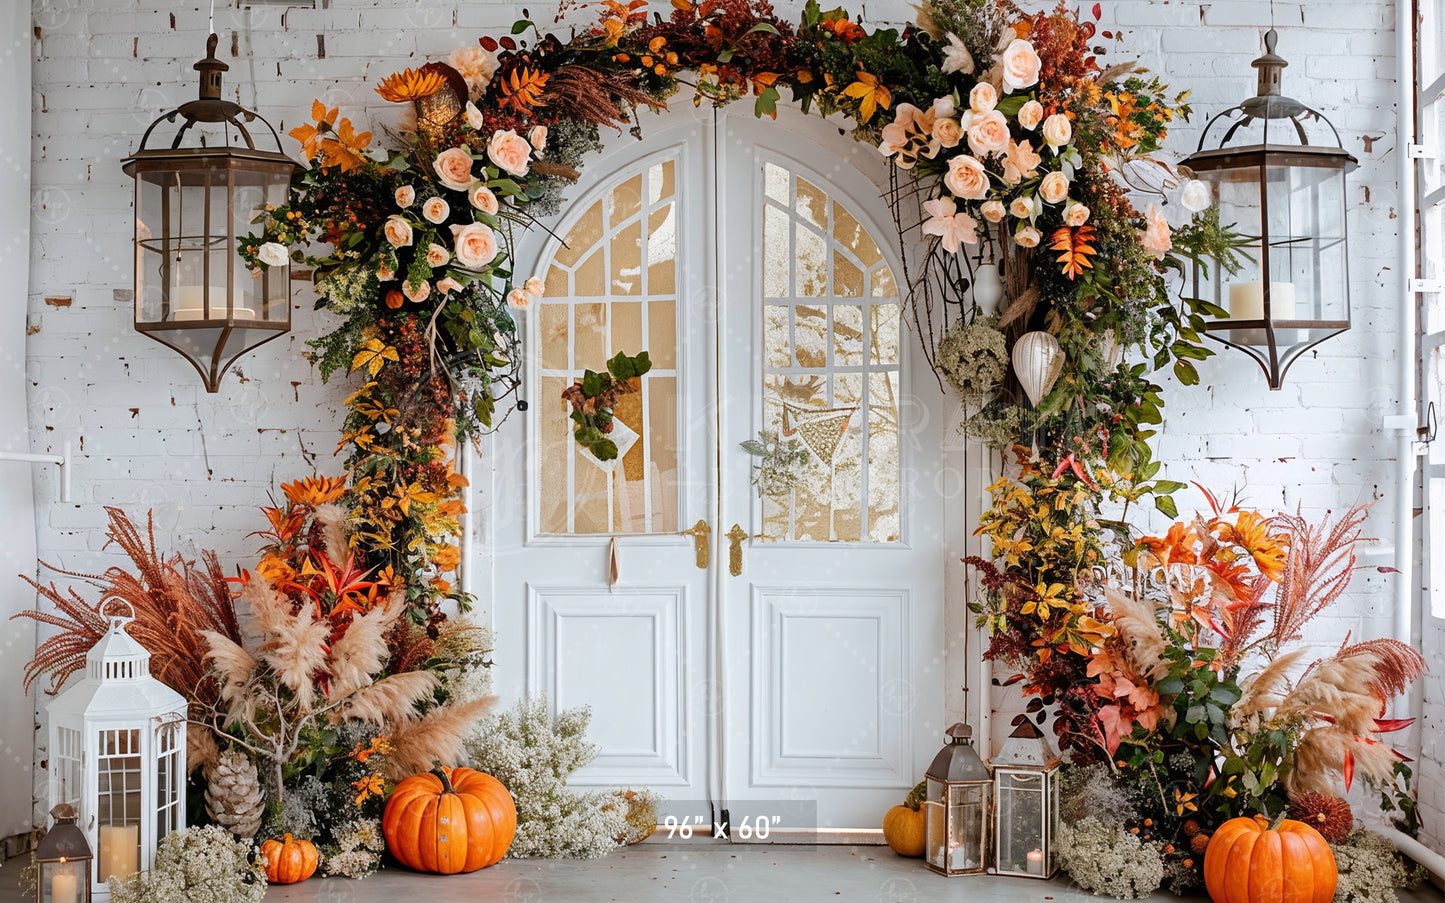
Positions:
(694, 873)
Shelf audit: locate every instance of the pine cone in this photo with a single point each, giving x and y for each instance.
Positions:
(234, 796)
(1329, 815)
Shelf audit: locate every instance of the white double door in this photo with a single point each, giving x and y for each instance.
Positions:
(754, 261)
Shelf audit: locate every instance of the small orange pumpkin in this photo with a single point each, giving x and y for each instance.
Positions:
(1250, 862)
(289, 860)
(449, 820)
(903, 824)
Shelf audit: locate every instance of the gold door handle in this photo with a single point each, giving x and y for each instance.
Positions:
(700, 533)
(735, 551)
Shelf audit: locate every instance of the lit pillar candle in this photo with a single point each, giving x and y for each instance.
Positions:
(119, 850)
(1246, 302)
(63, 889)
(1036, 862)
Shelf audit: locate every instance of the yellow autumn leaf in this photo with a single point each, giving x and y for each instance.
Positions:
(870, 94)
(373, 356)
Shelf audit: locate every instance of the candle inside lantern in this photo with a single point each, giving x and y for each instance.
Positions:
(63, 889)
(119, 850)
(1246, 302)
(1036, 862)
(188, 303)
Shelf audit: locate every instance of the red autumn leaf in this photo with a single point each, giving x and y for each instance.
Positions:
(489, 43)
(1098, 11)
(1388, 725)
(1349, 770)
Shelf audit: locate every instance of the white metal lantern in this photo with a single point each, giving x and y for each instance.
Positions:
(1026, 804)
(118, 755)
(955, 824)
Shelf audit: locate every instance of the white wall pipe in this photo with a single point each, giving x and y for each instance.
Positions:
(1407, 409)
(1414, 849)
(62, 461)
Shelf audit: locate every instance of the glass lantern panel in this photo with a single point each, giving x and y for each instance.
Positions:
(1052, 802)
(63, 882)
(168, 779)
(1309, 275)
(967, 816)
(935, 830)
(1020, 837)
(266, 294)
(65, 764)
(118, 803)
(1236, 191)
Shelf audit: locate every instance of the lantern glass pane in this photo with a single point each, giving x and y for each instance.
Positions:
(1020, 837)
(168, 780)
(967, 814)
(935, 829)
(1308, 270)
(63, 882)
(1237, 194)
(118, 803)
(65, 764)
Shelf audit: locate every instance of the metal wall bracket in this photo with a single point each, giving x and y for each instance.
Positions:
(1426, 286)
(1421, 151)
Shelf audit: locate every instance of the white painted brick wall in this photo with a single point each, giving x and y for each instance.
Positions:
(147, 435)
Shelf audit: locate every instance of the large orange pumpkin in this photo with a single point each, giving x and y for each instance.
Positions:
(449, 821)
(289, 860)
(1250, 862)
(903, 825)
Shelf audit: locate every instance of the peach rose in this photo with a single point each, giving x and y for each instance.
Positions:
(1076, 215)
(1031, 114)
(1027, 237)
(1057, 130)
(454, 167)
(1020, 65)
(482, 198)
(993, 211)
(474, 117)
(476, 66)
(966, 178)
(1156, 239)
(418, 293)
(446, 285)
(474, 245)
(1021, 208)
(405, 196)
(436, 210)
(535, 287)
(988, 134)
(397, 231)
(947, 132)
(437, 256)
(509, 151)
(538, 138)
(982, 98)
(1054, 188)
(518, 299)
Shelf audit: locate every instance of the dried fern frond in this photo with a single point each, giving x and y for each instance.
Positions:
(81, 627)
(438, 736)
(1321, 558)
(580, 92)
(390, 700)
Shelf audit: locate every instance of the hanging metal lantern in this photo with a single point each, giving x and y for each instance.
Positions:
(62, 860)
(1277, 176)
(956, 809)
(192, 206)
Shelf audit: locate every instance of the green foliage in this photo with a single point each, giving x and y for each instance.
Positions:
(594, 398)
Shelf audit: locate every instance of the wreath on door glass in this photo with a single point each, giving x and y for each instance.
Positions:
(1010, 143)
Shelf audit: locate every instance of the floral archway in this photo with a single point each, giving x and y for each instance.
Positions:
(1028, 167)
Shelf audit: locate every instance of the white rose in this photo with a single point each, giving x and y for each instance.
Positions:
(1028, 237)
(1021, 208)
(1020, 65)
(1195, 196)
(982, 98)
(273, 254)
(405, 196)
(944, 107)
(1076, 215)
(1057, 130)
(474, 117)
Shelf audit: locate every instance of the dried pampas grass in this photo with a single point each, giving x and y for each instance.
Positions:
(1264, 691)
(363, 649)
(438, 736)
(392, 699)
(296, 651)
(1137, 621)
(233, 665)
(331, 517)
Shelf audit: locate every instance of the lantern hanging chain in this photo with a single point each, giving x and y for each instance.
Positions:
(211, 22)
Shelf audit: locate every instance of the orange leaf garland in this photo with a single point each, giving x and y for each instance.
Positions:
(1075, 249)
(523, 89)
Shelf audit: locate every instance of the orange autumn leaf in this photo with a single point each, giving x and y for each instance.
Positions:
(1075, 249)
(870, 94)
(523, 89)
